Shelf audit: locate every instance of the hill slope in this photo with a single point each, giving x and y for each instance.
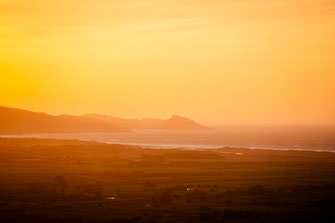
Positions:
(18, 121)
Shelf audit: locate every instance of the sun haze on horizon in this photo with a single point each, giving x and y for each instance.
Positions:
(238, 62)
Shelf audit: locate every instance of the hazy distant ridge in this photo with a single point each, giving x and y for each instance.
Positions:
(174, 123)
(19, 121)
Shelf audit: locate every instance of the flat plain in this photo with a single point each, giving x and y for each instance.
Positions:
(53, 180)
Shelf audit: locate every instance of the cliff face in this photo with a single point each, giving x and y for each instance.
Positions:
(18, 121)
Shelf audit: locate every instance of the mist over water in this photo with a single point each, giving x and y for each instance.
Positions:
(314, 138)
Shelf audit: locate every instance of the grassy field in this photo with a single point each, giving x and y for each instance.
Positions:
(46, 180)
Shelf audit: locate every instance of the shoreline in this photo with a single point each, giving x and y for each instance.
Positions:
(206, 147)
(190, 147)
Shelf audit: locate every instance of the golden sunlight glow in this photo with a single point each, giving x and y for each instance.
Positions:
(216, 61)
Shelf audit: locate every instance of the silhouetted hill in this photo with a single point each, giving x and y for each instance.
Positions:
(18, 121)
(174, 123)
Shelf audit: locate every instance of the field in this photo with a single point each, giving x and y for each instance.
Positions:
(47, 180)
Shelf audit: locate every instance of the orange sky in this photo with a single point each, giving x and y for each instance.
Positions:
(232, 61)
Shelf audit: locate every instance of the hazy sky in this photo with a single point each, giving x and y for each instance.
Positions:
(216, 61)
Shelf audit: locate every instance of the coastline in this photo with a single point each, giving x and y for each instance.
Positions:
(170, 146)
